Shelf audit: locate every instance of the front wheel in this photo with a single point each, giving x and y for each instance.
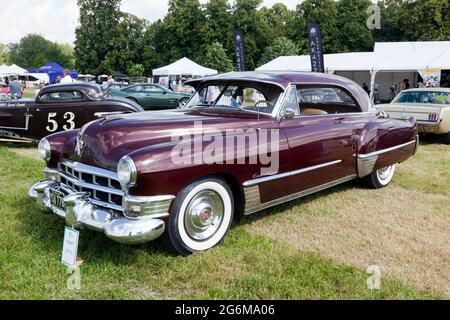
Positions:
(200, 216)
(380, 178)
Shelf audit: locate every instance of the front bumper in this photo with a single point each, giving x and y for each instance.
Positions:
(79, 212)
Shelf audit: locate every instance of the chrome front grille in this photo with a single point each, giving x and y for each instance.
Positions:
(103, 185)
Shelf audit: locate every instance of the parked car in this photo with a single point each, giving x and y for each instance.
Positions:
(243, 143)
(62, 107)
(4, 90)
(108, 87)
(430, 106)
(152, 96)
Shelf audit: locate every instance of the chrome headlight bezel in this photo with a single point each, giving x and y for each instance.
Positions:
(127, 172)
(45, 150)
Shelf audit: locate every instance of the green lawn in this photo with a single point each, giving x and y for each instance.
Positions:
(248, 265)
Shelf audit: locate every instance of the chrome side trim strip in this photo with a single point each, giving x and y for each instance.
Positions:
(300, 194)
(254, 182)
(380, 152)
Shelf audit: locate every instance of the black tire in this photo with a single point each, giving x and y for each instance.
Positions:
(380, 178)
(182, 102)
(189, 209)
(446, 138)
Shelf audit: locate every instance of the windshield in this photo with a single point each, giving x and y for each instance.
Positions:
(248, 97)
(423, 97)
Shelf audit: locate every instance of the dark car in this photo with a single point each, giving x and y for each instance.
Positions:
(245, 142)
(152, 96)
(62, 107)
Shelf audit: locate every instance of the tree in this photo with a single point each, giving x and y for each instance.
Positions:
(351, 27)
(4, 55)
(136, 70)
(251, 22)
(183, 22)
(94, 36)
(426, 20)
(392, 12)
(155, 46)
(280, 47)
(215, 57)
(280, 21)
(34, 50)
(324, 13)
(218, 26)
(127, 44)
(67, 50)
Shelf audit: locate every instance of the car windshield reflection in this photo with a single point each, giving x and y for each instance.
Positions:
(253, 97)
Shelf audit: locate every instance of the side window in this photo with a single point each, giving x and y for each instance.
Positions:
(152, 89)
(325, 100)
(291, 101)
(63, 95)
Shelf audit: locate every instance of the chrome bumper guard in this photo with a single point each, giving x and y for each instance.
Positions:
(80, 212)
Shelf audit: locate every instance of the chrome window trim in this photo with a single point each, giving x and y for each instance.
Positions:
(383, 151)
(257, 181)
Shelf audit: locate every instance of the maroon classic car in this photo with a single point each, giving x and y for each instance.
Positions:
(245, 142)
(61, 107)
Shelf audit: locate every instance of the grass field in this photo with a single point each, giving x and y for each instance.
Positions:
(318, 247)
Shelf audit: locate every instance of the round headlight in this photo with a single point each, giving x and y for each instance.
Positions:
(45, 151)
(127, 172)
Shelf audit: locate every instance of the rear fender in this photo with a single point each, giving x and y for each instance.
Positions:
(386, 142)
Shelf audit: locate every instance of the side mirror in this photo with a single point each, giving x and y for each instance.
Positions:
(289, 114)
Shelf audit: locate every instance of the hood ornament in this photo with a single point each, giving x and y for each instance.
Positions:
(79, 148)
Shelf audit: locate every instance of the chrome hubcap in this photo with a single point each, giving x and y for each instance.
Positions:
(385, 173)
(204, 215)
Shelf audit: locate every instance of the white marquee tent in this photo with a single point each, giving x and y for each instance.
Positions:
(184, 66)
(13, 69)
(389, 63)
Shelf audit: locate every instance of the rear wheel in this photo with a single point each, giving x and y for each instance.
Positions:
(132, 99)
(380, 178)
(200, 216)
(447, 138)
(182, 103)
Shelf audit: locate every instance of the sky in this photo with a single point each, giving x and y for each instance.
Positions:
(56, 20)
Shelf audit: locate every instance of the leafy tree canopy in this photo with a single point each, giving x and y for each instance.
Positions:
(34, 50)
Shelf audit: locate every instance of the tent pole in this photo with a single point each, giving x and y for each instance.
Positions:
(373, 75)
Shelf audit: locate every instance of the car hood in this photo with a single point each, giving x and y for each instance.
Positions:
(107, 140)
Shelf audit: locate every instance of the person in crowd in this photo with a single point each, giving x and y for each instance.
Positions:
(67, 78)
(366, 88)
(429, 84)
(237, 98)
(15, 88)
(405, 85)
(7, 81)
(58, 79)
(110, 79)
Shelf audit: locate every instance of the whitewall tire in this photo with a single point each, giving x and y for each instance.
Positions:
(200, 216)
(380, 178)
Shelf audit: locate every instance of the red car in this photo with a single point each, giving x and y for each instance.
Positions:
(4, 89)
(245, 142)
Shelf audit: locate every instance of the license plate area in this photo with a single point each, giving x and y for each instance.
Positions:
(57, 198)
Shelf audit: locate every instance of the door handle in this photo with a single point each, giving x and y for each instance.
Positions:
(339, 120)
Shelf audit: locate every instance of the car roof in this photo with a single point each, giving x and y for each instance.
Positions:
(282, 79)
(434, 89)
